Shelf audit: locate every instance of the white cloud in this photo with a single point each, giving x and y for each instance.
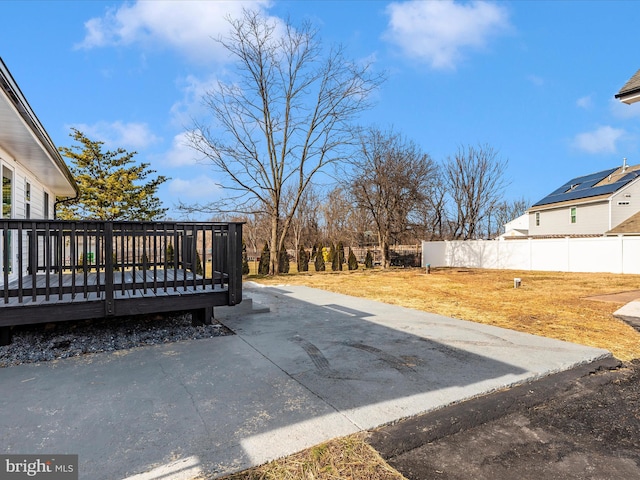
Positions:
(117, 134)
(437, 32)
(191, 105)
(186, 26)
(201, 189)
(181, 154)
(585, 102)
(600, 140)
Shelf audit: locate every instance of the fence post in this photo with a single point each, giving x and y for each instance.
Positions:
(109, 307)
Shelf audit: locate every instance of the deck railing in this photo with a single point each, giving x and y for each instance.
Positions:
(63, 260)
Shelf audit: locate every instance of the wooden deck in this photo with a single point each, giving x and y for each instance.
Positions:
(81, 270)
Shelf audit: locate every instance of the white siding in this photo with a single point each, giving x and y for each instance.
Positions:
(18, 203)
(625, 203)
(590, 219)
(21, 175)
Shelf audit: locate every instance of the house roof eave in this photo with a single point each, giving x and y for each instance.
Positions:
(630, 92)
(24, 137)
(630, 97)
(566, 203)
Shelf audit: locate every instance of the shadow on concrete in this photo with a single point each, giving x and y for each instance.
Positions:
(316, 366)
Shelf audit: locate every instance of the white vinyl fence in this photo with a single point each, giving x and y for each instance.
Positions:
(601, 254)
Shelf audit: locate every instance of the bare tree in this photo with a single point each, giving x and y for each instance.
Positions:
(255, 232)
(282, 120)
(475, 180)
(504, 212)
(304, 223)
(360, 227)
(431, 216)
(390, 178)
(336, 210)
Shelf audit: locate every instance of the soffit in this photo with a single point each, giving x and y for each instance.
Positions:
(22, 137)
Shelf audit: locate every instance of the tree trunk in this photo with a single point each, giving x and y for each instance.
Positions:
(383, 243)
(274, 250)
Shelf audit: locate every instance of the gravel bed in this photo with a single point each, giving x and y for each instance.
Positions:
(52, 341)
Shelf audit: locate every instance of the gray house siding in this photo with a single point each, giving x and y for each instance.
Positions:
(625, 203)
(591, 218)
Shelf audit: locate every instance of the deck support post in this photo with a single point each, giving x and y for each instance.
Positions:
(202, 316)
(5, 336)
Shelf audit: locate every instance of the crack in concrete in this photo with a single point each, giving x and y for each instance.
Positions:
(193, 401)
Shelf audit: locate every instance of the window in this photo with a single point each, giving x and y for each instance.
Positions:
(573, 214)
(46, 205)
(7, 195)
(537, 219)
(27, 200)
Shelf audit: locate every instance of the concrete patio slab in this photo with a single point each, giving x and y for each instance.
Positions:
(317, 365)
(630, 313)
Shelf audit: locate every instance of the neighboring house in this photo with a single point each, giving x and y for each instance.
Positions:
(630, 92)
(593, 204)
(516, 228)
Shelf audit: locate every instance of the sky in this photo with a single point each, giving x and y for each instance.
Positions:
(535, 80)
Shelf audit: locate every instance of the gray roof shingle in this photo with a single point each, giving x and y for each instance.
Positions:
(631, 87)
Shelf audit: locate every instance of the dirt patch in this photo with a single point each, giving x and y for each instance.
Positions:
(621, 297)
(559, 427)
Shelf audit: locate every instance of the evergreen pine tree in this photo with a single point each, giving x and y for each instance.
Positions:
(199, 269)
(112, 185)
(314, 250)
(340, 255)
(265, 260)
(368, 260)
(169, 255)
(319, 259)
(353, 261)
(283, 261)
(333, 257)
(303, 260)
(245, 259)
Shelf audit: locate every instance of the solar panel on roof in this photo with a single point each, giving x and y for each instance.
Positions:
(584, 187)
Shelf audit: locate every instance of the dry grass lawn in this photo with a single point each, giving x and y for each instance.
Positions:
(551, 304)
(342, 458)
